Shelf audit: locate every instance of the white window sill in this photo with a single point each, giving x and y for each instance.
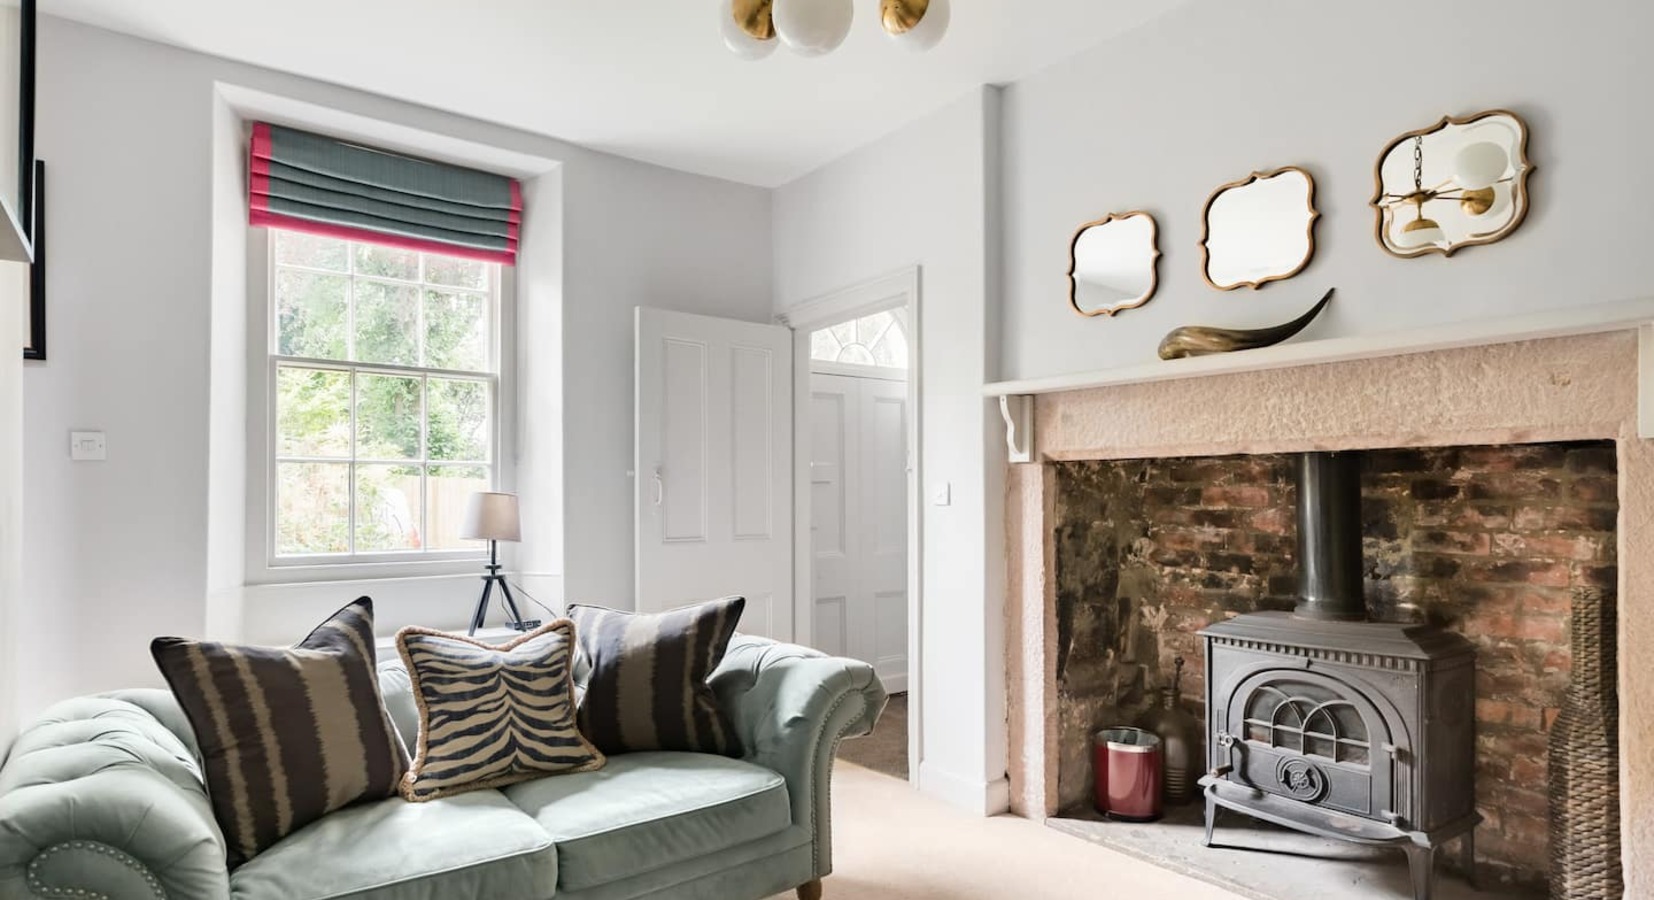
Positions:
(305, 572)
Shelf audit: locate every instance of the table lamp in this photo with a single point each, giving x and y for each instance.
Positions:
(493, 517)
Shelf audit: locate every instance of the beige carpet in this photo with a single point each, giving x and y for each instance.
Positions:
(885, 750)
(892, 843)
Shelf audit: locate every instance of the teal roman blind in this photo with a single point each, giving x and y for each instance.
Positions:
(308, 182)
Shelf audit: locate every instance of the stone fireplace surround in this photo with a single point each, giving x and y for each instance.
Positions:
(1561, 389)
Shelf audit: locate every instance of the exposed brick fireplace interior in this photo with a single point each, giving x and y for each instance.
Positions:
(1488, 541)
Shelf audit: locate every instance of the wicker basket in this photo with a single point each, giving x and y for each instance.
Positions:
(1584, 761)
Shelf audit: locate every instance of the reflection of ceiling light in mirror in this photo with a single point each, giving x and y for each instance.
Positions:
(1480, 165)
(916, 24)
(1419, 233)
(1500, 208)
(813, 27)
(744, 27)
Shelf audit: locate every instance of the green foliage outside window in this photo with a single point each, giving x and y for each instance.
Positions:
(369, 305)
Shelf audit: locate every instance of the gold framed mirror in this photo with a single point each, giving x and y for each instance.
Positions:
(1259, 229)
(1113, 264)
(1460, 182)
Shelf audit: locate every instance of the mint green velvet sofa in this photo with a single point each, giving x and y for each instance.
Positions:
(103, 798)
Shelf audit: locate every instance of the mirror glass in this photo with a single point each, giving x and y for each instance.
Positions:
(1261, 229)
(1112, 264)
(1460, 182)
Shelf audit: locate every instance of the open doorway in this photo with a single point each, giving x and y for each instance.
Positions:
(856, 443)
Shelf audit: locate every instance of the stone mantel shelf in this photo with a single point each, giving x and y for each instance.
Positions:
(1625, 315)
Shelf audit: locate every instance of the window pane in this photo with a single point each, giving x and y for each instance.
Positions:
(387, 323)
(312, 412)
(387, 508)
(891, 349)
(823, 346)
(388, 417)
(870, 328)
(310, 314)
(459, 420)
(448, 490)
(452, 271)
(380, 261)
(456, 331)
(844, 333)
(312, 508)
(296, 249)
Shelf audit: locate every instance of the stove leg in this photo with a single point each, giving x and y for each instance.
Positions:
(1211, 819)
(1467, 858)
(1422, 862)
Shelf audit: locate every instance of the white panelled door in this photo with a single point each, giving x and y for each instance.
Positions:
(858, 510)
(714, 466)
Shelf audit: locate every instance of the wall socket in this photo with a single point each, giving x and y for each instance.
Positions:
(87, 446)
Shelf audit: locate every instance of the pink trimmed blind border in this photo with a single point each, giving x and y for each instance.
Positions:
(318, 185)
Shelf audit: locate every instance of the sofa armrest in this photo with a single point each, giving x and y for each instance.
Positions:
(100, 799)
(791, 706)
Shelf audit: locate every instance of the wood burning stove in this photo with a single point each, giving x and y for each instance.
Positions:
(1324, 722)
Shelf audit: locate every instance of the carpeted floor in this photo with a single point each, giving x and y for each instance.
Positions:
(885, 750)
(892, 843)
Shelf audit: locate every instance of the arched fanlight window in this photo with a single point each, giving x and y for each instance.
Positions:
(876, 340)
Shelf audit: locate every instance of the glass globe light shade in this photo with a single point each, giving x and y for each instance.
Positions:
(736, 38)
(928, 32)
(1488, 205)
(813, 27)
(1480, 164)
(1501, 203)
(1420, 233)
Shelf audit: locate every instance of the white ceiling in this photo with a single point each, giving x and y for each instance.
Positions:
(647, 79)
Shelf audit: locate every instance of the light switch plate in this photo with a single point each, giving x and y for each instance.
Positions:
(87, 446)
(942, 494)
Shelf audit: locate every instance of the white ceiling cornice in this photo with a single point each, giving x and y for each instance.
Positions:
(648, 80)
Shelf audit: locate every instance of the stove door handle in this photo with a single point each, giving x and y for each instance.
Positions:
(1231, 743)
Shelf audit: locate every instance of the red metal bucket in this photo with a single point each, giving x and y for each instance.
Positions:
(1128, 763)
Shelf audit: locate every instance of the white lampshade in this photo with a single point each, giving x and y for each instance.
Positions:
(1479, 165)
(928, 33)
(736, 38)
(491, 517)
(813, 27)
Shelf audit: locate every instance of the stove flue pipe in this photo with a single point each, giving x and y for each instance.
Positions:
(1331, 585)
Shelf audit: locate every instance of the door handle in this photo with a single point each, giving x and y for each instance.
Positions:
(660, 487)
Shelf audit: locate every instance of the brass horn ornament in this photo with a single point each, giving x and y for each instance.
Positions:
(1201, 340)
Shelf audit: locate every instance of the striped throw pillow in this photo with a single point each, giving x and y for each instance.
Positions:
(647, 686)
(491, 716)
(286, 735)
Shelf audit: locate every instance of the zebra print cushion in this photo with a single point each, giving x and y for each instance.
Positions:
(647, 685)
(286, 735)
(491, 716)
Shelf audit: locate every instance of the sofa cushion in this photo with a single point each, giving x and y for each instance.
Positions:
(287, 735)
(490, 715)
(473, 845)
(646, 811)
(646, 688)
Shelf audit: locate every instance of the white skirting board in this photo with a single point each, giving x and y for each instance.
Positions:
(983, 798)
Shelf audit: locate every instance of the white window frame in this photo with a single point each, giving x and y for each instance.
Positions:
(264, 566)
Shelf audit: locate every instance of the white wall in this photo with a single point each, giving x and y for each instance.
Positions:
(11, 499)
(118, 551)
(1158, 118)
(922, 196)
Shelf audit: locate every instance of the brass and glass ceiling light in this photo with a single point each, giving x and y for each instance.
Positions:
(752, 28)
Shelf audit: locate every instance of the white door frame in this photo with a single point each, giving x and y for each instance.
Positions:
(897, 290)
